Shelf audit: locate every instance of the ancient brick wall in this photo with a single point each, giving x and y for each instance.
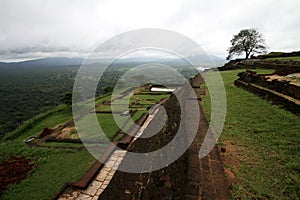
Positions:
(282, 67)
(259, 85)
(187, 178)
(279, 86)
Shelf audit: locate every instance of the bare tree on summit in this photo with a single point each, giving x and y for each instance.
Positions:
(247, 41)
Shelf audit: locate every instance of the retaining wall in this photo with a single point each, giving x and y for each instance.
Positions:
(279, 86)
(279, 93)
(281, 67)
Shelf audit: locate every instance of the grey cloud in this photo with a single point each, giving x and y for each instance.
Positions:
(37, 27)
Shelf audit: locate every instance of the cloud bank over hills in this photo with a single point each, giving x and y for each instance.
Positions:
(35, 29)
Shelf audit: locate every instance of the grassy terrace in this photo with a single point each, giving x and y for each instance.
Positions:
(293, 58)
(107, 123)
(56, 166)
(267, 143)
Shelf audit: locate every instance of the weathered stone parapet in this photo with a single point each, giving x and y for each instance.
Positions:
(278, 92)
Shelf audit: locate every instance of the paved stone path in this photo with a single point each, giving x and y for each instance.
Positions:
(145, 125)
(105, 175)
(103, 178)
(100, 182)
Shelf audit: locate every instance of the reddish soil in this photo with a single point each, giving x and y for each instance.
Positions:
(13, 170)
(229, 158)
(46, 131)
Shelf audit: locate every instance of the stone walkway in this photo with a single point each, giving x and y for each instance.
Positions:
(100, 182)
(105, 175)
(145, 125)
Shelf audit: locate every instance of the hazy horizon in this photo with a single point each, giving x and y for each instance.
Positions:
(35, 29)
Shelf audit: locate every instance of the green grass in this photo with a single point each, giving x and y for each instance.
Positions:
(58, 168)
(267, 139)
(118, 138)
(107, 123)
(120, 101)
(264, 71)
(118, 108)
(55, 167)
(100, 100)
(156, 98)
(138, 114)
(33, 126)
(72, 145)
(50, 122)
(135, 117)
(62, 144)
(106, 120)
(147, 92)
(144, 102)
(292, 58)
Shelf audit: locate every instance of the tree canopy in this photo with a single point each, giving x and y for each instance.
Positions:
(247, 41)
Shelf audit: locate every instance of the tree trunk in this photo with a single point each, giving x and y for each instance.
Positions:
(247, 55)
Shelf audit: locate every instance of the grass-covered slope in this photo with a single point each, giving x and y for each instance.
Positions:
(60, 162)
(54, 166)
(266, 139)
(292, 58)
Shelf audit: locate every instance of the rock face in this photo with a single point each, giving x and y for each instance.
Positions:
(187, 178)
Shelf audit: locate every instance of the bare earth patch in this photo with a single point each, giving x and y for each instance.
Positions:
(68, 133)
(293, 80)
(13, 170)
(230, 161)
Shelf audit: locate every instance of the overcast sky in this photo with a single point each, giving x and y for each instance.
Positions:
(41, 28)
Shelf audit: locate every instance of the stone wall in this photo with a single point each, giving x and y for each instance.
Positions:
(186, 178)
(279, 86)
(161, 184)
(279, 54)
(279, 92)
(282, 67)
